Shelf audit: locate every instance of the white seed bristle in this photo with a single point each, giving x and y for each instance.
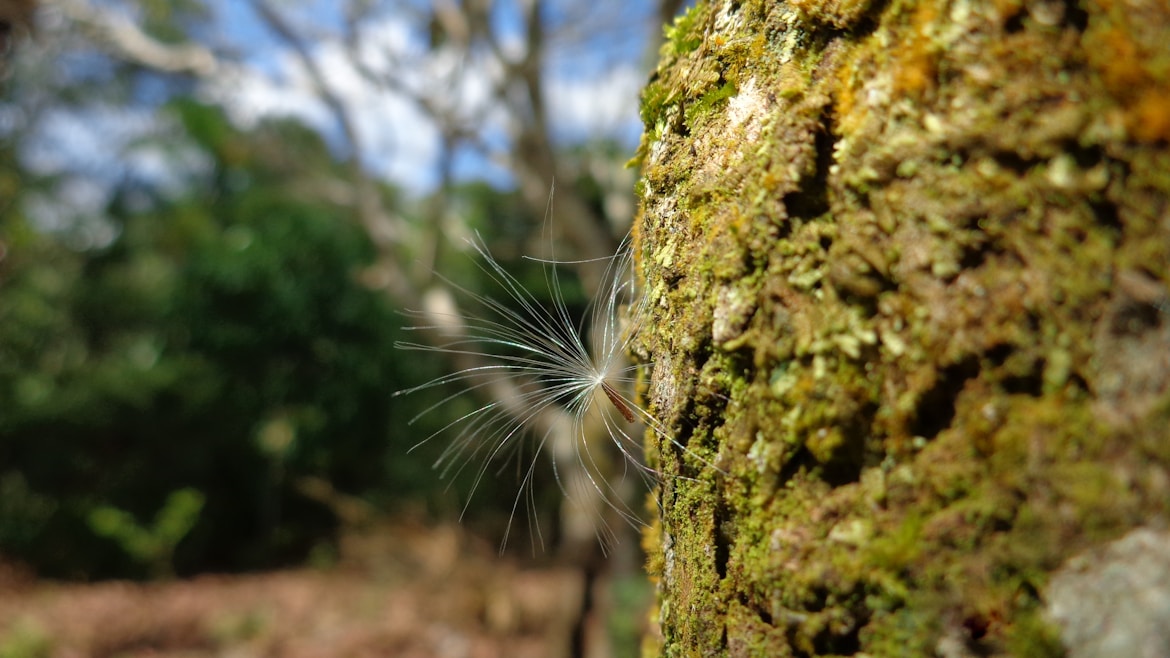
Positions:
(542, 382)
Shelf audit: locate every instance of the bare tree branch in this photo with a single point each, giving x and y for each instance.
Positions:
(129, 42)
(15, 18)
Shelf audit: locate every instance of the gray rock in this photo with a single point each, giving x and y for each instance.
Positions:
(1115, 602)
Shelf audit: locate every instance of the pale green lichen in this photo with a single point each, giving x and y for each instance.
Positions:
(905, 260)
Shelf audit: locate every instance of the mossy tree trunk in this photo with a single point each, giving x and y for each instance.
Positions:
(908, 264)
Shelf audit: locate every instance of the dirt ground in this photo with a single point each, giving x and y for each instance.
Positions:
(404, 590)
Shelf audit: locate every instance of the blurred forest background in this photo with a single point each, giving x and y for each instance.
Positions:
(211, 214)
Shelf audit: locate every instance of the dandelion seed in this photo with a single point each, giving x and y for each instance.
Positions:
(617, 402)
(533, 365)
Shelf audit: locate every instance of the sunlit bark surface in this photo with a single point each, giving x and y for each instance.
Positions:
(909, 265)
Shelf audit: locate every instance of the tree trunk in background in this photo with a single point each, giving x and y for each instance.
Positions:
(908, 264)
(15, 23)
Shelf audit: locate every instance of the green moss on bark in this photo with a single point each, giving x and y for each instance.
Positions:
(910, 264)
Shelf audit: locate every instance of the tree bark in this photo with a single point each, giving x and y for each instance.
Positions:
(909, 269)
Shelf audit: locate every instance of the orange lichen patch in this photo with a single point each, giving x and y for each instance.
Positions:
(850, 103)
(845, 100)
(1150, 115)
(1125, 45)
(917, 65)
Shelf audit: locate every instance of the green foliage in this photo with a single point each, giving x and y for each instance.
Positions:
(631, 596)
(25, 640)
(153, 546)
(219, 321)
(23, 512)
(171, 20)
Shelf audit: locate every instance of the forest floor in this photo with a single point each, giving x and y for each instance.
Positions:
(403, 591)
